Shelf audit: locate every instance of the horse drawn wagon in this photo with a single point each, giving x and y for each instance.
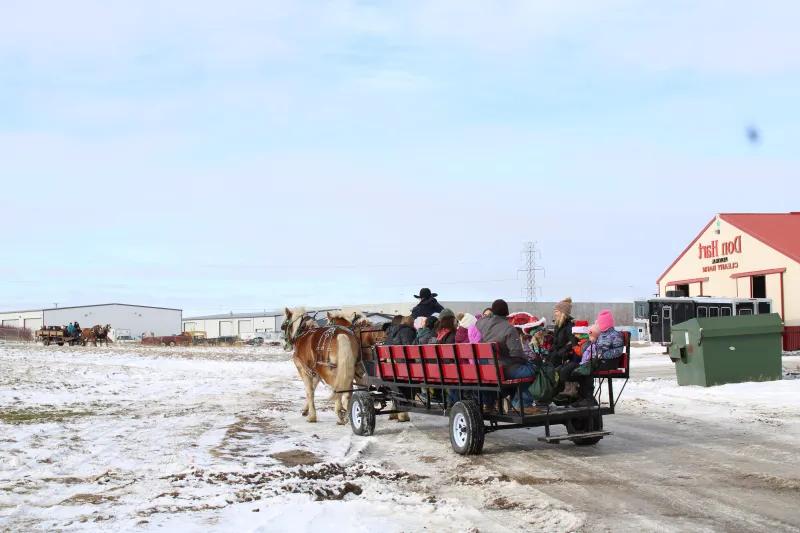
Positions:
(61, 335)
(397, 378)
(58, 335)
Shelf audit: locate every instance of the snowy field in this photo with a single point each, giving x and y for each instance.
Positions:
(133, 438)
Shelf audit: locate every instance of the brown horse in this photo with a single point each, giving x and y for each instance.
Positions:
(95, 333)
(326, 353)
(368, 335)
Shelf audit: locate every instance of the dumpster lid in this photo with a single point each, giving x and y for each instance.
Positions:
(740, 325)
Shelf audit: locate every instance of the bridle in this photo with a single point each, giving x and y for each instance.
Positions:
(287, 329)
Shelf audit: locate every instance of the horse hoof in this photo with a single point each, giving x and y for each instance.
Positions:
(305, 412)
(311, 419)
(341, 422)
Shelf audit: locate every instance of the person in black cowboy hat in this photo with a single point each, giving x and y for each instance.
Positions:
(427, 305)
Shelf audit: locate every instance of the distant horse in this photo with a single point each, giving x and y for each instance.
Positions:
(326, 353)
(95, 333)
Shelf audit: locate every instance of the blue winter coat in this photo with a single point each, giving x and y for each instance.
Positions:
(610, 344)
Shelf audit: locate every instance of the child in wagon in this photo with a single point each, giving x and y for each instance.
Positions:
(602, 352)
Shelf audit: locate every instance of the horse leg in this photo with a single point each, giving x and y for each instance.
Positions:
(346, 407)
(337, 408)
(314, 386)
(308, 409)
(310, 386)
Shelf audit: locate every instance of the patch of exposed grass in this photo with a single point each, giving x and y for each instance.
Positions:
(38, 416)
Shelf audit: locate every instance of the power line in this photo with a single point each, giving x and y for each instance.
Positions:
(529, 256)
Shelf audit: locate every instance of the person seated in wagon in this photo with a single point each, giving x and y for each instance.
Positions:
(603, 351)
(496, 328)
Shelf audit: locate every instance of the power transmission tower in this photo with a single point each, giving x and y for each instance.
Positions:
(530, 254)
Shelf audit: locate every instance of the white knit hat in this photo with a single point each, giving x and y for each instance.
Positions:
(467, 321)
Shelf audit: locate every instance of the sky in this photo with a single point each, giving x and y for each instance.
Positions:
(248, 155)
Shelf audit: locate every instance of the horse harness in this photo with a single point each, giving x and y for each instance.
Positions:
(321, 349)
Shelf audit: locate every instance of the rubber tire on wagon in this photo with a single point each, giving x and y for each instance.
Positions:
(466, 428)
(362, 414)
(585, 424)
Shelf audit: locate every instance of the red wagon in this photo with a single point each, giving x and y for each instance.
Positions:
(405, 375)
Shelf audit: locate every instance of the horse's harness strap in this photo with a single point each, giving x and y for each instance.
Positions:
(322, 349)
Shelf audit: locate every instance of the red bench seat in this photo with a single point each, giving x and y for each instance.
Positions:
(437, 364)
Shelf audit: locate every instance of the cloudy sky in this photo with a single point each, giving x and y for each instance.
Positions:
(246, 155)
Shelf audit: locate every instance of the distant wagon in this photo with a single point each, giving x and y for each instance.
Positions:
(58, 335)
(181, 339)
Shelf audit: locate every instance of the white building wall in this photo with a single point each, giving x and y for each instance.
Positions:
(243, 327)
(135, 318)
(20, 319)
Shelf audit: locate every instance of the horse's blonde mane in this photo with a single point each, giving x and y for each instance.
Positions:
(295, 312)
(340, 314)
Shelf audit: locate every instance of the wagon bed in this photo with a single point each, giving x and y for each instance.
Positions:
(404, 376)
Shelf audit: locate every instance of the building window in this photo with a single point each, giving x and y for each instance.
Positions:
(758, 287)
(763, 308)
(726, 311)
(683, 288)
(713, 312)
(702, 312)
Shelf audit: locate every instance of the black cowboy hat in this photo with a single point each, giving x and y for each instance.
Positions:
(425, 293)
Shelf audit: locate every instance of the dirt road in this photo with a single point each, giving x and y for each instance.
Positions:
(652, 474)
(663, 469)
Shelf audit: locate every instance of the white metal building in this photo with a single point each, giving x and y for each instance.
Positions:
(242, 325)
(137, 318)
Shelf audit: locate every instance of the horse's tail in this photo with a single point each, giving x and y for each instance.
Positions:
(346, 358)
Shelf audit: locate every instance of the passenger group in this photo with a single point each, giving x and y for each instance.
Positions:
(526, 345)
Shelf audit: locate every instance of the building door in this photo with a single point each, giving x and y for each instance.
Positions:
(33, 324)
(684, 289)
(225, 328)
(245, 328)
(758, 287)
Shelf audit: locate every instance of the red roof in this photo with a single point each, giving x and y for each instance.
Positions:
(780, 231)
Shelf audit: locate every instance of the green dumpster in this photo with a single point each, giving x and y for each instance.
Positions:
(713, 351)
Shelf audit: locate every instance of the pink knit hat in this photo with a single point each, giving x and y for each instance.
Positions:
(605, 320)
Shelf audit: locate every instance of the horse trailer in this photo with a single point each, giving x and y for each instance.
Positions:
(660, 314)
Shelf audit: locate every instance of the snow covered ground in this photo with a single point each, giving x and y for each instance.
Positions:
(135, 438)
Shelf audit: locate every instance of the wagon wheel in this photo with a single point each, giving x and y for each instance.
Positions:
(585, 424)
(163, 344)
(362, 413)
(466, 428)
(172, 343)
(47, 342)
